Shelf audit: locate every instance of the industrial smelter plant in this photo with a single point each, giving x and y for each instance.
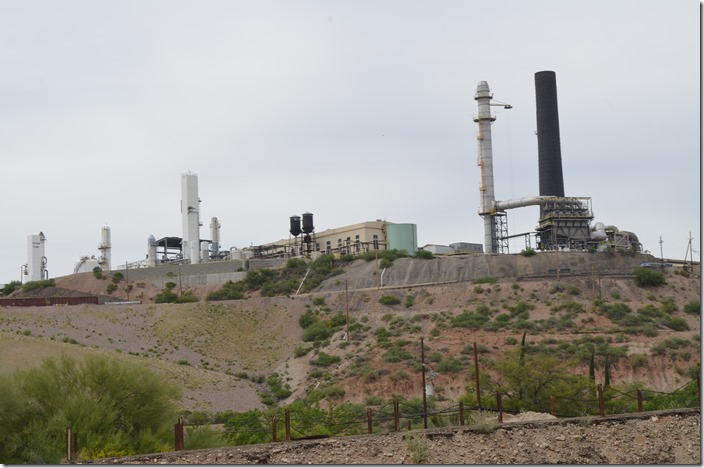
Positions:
(564, 222)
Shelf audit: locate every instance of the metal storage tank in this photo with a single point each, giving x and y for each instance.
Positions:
(402, 237)
(308, 223)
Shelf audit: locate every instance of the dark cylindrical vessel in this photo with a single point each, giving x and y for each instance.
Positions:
(295, 225)
(308, 223)
(549, 154)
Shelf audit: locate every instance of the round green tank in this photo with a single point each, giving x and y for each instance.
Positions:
(402, 237)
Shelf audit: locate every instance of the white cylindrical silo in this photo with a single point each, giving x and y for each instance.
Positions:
(151, 251)
(215, 236)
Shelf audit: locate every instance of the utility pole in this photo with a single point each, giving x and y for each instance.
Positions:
(662, 258)
(347, 311)
(422, 365)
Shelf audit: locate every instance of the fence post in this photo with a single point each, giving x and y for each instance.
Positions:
(288, 424)
(600, 392)
(461, 414)
(552, 405)
(699, 391)
(397, 419)
(70, 444)
(369, 421)
(178, 435)
(476, 377)
(639, 395)
(498, 405)
(274, 420)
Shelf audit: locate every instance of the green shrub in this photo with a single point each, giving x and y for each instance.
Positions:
(449, 365)
(301, 351)
(165, 296)
(423, 254)
(528, 252)
(117, 277)
(693, 307)
(35, 285)
(646, 277)
(98, 272)
(170, 285)
(389, 300)
(485, 280)
(111, 288)
(409, 302)
(317, 331)
(116, 408)
(396, 354)
(325, 360)
(227, 292)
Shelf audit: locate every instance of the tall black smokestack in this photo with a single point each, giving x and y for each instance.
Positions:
(549, 155)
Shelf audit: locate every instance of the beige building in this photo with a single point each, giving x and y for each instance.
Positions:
(353, 239)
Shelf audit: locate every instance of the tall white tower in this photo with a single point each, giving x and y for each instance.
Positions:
(190, 213)
(215, 236)
(485, 162)
(36, 260)
(105, 248)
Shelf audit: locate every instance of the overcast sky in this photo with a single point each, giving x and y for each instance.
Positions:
(351, 110)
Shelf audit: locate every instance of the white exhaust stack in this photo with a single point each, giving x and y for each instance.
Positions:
(190, 212)
(105, 248)
(485, 162)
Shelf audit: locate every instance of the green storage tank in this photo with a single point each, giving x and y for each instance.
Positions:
(402, 237)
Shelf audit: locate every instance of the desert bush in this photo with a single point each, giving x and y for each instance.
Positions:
(423, 254)
(325, 360)
(389, 300)
(528, 252)
(118, 409)
(646, 277)
(317, 331)
(693, 307)
(34, 285)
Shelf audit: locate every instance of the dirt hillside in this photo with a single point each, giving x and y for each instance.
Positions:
(221, 352)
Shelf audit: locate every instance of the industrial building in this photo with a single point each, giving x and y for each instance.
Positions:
(354, 239)
(564, 222)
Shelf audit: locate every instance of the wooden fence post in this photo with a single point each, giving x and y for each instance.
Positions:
(500, 407)
(397, 418)
(178, 435)
(476, 378)
(274, 420)
(639, 395)
(369, 421)
(600, 392)
(461, 414)
(287, 414)
(71, 444)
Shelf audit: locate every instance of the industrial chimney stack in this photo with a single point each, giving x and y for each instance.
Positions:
(549, 154)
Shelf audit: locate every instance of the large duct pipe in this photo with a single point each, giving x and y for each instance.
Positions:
(549, 154)
(503, 205)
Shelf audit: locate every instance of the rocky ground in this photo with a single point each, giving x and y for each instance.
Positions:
(664, 437)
